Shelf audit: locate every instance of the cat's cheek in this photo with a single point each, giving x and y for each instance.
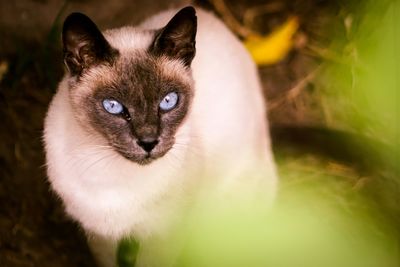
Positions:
(113, 128)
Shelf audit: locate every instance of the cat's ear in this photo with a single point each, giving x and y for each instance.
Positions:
(178, 38)
(83, 44)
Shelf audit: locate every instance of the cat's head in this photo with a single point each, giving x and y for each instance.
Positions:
(137, 98)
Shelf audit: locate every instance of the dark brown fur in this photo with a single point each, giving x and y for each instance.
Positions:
(139, 81)
(140, 86)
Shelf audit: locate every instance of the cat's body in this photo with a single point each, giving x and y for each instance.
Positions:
(222, 138)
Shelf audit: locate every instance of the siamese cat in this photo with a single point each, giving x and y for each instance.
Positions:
(145, 116)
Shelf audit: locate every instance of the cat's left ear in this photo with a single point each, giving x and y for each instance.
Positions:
(178, 38)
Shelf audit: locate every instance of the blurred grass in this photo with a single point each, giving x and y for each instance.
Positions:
(318, 221)
(361, 83)
(305, 228)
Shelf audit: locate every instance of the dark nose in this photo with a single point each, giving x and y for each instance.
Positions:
(147, 144)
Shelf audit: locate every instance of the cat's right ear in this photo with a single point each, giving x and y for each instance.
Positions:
(83, 44)
(178, 38)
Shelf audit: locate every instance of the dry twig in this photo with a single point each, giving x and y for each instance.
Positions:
(252, 13)
(292, 93)
(231, 21)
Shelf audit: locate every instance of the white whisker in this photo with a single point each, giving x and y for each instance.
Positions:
(95, 162)
(189, 148)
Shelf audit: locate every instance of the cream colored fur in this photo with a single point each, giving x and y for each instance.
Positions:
(224, 139)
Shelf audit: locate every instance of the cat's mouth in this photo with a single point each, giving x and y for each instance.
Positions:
(143, 157)
(148, 158)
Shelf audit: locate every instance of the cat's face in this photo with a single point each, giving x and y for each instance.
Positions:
(136, 100)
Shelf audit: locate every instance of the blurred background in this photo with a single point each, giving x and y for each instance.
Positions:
(330, 74)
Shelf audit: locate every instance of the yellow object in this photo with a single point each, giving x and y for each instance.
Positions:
(270, 49)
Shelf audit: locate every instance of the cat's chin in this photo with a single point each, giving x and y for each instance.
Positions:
(144, 159)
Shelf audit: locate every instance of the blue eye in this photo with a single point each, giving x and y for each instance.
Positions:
(169, 101)
(112, 106)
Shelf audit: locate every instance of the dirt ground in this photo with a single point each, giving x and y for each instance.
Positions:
(33, 228)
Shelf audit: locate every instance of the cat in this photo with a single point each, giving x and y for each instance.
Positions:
(145, 115)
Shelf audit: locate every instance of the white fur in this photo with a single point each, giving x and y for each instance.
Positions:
(224, 137)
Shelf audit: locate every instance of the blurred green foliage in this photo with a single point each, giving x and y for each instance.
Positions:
(362, 82)
(309, 225)
(303, 229)
(127, 253)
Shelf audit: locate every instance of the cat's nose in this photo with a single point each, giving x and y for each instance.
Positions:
(147, 144)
